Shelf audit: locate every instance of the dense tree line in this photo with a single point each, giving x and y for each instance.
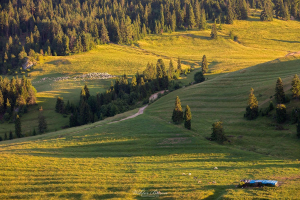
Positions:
(61, 27)
(122, 95)
(15, 95)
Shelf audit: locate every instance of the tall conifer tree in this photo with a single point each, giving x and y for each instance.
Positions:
(204, 64)
(296, 86)
(177, 116)
(18, 129)
(187, 117)
(252, 108)
(279, 92)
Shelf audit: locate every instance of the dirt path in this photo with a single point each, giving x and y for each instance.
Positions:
(293, 54)
(141, 110)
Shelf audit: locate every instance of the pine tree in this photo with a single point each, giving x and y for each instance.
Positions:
(82, 96)
(179, 69)
(87, 92)
(177, 116)
(84, 113)
(162, 18)
(218, 132)
(104, 33)
(202, 25)
(296, 86)
(267, 13)
(214, 33)
(279, 9)
(18, 130)
(187, 117)
(286, 14)
(191, 17)
(11, 135)
(230, 13)
(8, 106)
(171, 70)
(133, 83)
(5, 137)
(281, 113)
(279, 92)
(34, 132)
(244, 9)
(204, 64)
(42, 121)
(252, 108)
(60, 105)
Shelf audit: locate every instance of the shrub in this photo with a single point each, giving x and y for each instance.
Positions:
(199, 77)
(281, 113)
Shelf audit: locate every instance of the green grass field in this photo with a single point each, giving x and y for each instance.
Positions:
(115, 161)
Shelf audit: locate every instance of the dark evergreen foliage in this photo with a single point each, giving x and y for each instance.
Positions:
(214, 33)
(199, 77)
(281, 113)
(11, 135)
(252, 108)
(218, 132)
(60, 105)
(177, 116)
(204, 64)
(187, 117)
(296, 86)
(42, 121)
(18, 130)
(279, 92)
(298, 129)
(16, 93)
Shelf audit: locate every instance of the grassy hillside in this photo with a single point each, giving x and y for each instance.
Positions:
(102, 160)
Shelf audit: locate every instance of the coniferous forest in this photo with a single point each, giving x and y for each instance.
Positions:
(63, 27)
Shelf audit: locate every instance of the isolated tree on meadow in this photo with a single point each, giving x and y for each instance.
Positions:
(204, 64)
(279, 92)
(177, 116)
(18, 129)
(42, 126)
(11, 135)
(187, 117)
(296, 86)
(281, 113)
(218, 132)
(198, 77)
(214, 33)
(252, 108)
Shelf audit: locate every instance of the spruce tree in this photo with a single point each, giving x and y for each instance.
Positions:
(296, 86)
(18, 130)
(218, 132)
(11, 135)
(42, 121)
(281, 113)
(87, 92)
(34, 132)
(267, 13)
(133, 83)
(279, 92)
(5, 137)
(82, 96)
(187, 117)
(191, 17)
(230, 13)
(204, 65)
(177, 116)
(252, 108)
(202, 23)
(104, 33)
(171, 70)
(214, 33)
(179, 69)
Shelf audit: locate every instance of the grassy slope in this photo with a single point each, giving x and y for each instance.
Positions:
(115, 160)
